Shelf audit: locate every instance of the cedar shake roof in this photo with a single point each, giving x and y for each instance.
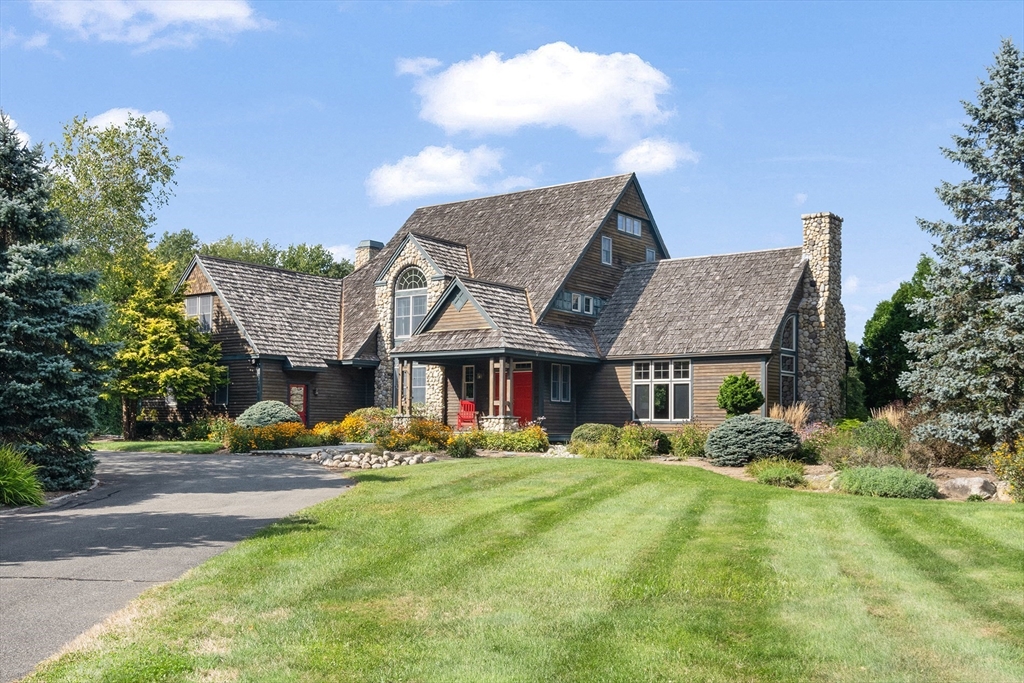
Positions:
(530, 240)
(732, 303)
(509, 310)
(451, 258)
(280, 312)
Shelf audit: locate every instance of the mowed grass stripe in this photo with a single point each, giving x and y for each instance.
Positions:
(542, 569)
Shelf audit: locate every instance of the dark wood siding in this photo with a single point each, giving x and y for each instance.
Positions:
(591, 276)
(606, 397)
(224, 330)
(468, 318)
(707, 380)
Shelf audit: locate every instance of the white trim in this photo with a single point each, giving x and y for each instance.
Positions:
(561, 383)
(470, 383)
(607, 242)
(649, 368)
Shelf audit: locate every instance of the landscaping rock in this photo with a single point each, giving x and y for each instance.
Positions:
(964, 487)
(1003, 492)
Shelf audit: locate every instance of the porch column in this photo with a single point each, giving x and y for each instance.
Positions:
(508, 386)
(490, 386)
(501, 387)
(408, 388)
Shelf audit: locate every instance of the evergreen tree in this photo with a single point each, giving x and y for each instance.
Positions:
(165, 355)
(969, 372)
(49, 370)
(883, 355)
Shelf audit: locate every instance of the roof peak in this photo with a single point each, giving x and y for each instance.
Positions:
(208, 257)
(624, 176)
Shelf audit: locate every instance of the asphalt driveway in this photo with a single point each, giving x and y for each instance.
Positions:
(66, 567)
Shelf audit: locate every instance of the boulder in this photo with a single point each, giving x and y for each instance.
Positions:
(964, 487)
(429, 458)
(1003, 492)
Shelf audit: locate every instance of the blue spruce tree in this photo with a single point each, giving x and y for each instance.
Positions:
(49, 376)
(969, 367)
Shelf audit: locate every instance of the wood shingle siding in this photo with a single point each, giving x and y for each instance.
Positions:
(606, 396)
(468, 318)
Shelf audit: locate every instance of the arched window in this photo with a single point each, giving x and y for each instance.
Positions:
(787, 362)
(410, 302)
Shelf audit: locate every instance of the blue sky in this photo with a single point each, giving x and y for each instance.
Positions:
(331, 121)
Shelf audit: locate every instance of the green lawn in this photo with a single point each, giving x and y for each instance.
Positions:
(532, 569)
(158, 446)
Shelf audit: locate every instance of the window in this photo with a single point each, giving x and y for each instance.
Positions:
(651, 256)
(787, 363)
(588, 305)
(410, 303)
(468, 382)
(606, 250)
(220, 395)
(577, 300)
(419, 384)
(561, 383)
(200, 308)
(661, 390)
(629, 225)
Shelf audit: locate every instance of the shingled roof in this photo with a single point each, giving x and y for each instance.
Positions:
(509, 310)
(280, 312)
(528, 239)
(731, 303)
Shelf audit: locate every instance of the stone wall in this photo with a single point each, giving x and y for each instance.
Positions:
(385, 302)
(821, 350)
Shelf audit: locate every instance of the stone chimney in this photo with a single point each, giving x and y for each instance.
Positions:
(822, 320)
(365, 252)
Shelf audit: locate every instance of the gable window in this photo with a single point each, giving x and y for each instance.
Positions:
(650, 255)
(410, 303)
(577, 301)
(661, 390)
(629, 225)
(588, 305)
(561, 383)
(220, 395)
(787, 362)
(606, 250)
(200, 308)
(468, 382)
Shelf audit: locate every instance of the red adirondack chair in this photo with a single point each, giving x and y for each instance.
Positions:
(467, 414)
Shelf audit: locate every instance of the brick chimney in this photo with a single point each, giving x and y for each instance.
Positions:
(822, 320)
(365, 252)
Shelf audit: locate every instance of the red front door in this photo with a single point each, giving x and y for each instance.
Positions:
(522, 394)
(297, 400)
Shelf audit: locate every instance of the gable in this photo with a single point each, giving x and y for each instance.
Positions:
(458, 314)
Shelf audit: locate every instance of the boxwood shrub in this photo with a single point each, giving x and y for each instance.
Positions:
(266, 413)
(743, 438)
(592, 432)
(886, 482)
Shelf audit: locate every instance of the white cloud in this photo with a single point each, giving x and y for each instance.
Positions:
(118, 116)
(435, 170)
(22, 136)
(654, 155)
(416, 66)
(11, 38)
(799, 199)
(851, 284)
(342, 251)
(151, 23)
(599, 95)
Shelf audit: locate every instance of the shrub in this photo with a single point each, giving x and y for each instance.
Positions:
(19, 483)
(266, 413)
(1008, 464)
(777, 472)
(598, 450)
(637, 442)
(592, 432)
(879, 435)
(461, 446)
(329, 433)
(530, 439)
(354, 428)
(849, 424)
(886, 482)
(689, 441)
(744, 438)
(429, 435)
(875, 443)
(197, 430)
(272, 437)
(218, 429)
(739, 395)
(814, 439)
(377, 421)
(796, 415)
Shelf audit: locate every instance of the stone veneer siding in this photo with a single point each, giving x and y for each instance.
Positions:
(385, 302)
(821, 349)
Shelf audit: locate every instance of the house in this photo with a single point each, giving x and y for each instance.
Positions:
(559, 303)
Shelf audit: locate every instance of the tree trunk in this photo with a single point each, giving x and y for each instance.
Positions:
(128, 417)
